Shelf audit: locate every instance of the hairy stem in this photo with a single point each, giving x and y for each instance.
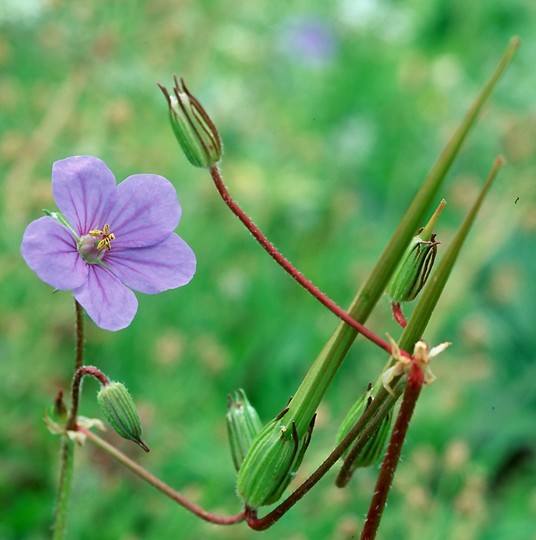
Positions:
(392, 455)
(79, 330)
(78, 369)
(64, 488)
(67, 446)
(291, 269)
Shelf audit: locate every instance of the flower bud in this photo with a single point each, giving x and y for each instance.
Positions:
(58, 411)
(243, 425)
(373, 449)
(416, 263)
(118, 408)
(271, 462)
(193, 128)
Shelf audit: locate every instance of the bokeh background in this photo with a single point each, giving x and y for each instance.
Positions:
(331, 114)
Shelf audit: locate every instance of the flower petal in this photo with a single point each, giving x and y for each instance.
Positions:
(146, 211)
(107, 301)
(49, 249)
(83, 188)
(167, 265)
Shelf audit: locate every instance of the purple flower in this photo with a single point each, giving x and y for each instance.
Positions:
(108, 239)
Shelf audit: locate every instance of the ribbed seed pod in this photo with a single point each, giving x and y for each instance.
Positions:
(194, 130)
(243, 425)
(271, 463)
(416, 263)
(119, 409)
(373, 449)
(413, 270)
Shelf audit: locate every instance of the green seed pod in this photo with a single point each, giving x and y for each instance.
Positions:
(118, 408)
(413, 270)
(243, 425)
(272, 462)
(193, 128)
(357, 410)
(372, 452)
(416, 263)
(373, 449)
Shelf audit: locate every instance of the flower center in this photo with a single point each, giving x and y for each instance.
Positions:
(105, 236)
(93, 246)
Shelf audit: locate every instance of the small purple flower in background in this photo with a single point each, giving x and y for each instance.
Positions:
(309, 40)
(108, 239)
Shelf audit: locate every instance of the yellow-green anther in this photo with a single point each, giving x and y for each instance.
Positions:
(119, 409)
(243, 425)
(373, 448)
(416, 263)
(272, 462)
(193, 128)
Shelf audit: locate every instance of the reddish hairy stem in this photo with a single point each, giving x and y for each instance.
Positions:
(79, 351)
(78, 363)
(159, 484)
(292, 270)
(392, 455)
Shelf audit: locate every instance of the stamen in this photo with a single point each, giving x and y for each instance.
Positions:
(107, 237)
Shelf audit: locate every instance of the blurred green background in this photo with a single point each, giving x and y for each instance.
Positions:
(331, 114)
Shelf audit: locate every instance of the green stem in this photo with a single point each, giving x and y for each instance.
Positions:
(64, 488)
(67, 446)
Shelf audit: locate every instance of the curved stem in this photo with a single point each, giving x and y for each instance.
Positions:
(291, 269)
(67, 446)
(79, 374)
(398, 314)
(159, 484)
